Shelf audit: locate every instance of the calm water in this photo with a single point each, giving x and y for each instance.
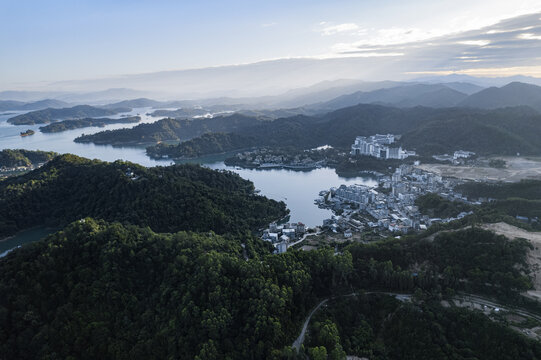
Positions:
(297, 189)
(63, 142)
(22, 238)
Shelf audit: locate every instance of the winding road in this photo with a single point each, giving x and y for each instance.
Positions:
(298, 342)
(407, 297)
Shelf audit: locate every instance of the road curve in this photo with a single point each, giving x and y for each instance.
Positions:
(297, 343)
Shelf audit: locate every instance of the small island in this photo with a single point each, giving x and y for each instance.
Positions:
(50, 114)
(27, 132)
(86, 122)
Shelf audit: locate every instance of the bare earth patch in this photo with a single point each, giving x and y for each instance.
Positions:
(518, 168)
(534, 256)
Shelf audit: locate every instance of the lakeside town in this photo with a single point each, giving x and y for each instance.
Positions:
(384, 210)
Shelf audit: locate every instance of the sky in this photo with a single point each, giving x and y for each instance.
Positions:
(51, 41)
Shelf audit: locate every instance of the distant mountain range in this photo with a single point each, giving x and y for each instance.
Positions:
(401, 96)
(513, 94)
(478, 81)
(441, 96)
(324, 97)
(331, 96)
(428, 131)
(7, 105)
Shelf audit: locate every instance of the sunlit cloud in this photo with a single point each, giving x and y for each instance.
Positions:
(475, 42)
(529, 36)
(534, 71)
(339, 28)
(356, 55)
(500, 31)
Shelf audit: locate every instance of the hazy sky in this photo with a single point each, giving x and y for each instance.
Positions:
(62, 40)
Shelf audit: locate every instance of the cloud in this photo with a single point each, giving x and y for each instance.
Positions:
(475, 42)
(270, 24)
(487, 72)
(339, 28)
(529, 36)
(507, 46)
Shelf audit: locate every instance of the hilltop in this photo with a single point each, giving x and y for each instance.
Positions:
(164, 198)
(170, 130)
(425, 130)
(48, 115)
(64, 125)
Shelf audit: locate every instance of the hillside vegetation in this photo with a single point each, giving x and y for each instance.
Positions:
(169, 130)
(380, 327)
(211, 143)
(99, 290)
(424, 130)
(50, 114)
(163, 198)
(64, 125)
(22, 157)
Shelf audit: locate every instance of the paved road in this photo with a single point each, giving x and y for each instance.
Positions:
(304, 238)
(297, 343)
(407, 297)
(489, 302)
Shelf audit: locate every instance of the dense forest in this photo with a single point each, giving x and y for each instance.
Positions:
(21, 157)
(170, 130)
(516, 203)
(50, 114)
(183, 197)
(99, 290)
(96, 291)
(64, 125)
(505, 131)
(162, 263)
(424, 130)
(379, 327)
(210, 143)
(434, 205)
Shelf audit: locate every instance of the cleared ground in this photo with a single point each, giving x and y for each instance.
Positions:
(534, 256)
(518, 168)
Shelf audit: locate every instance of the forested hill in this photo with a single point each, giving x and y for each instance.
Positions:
(65, 125)
(165, 198)
(210, 143)
(107, 291)
(48, 115)
(23, 157)
(99, 291)
(425, 130)
(506, 131)
(170, 130)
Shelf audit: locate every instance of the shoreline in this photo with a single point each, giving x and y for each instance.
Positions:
(2, 240)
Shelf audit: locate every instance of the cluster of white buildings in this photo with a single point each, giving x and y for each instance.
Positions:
(392, 209)
(456, 157)
(378, 146)
(282, 235)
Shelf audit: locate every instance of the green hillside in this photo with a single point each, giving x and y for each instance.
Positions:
(164, 198)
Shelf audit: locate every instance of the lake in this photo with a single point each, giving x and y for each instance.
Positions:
(22, 238)
(298, 189)
(62, 142)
